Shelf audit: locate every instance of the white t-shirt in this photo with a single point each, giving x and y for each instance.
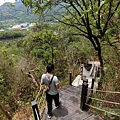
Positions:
(46, 79)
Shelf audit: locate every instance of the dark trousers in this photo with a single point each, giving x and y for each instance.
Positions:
(49, 99)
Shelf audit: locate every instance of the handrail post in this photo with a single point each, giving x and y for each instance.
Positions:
(81, 71)
(35, 110)
(84, 94)
(70, 82)
(92, 85)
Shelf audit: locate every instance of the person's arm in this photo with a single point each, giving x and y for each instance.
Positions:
(57, 83)
(41, 81)
(57, 86)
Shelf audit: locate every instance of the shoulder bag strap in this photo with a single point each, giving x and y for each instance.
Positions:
(51, 80)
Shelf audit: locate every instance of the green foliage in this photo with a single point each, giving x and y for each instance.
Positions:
(15, 13)
(41, 44)
(1, 79)
(11, 34)
(6, 65)
(12, 5)
(90, 19)
(61, 45)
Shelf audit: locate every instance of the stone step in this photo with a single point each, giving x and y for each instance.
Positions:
(70, 116)
(70, 97)
(77, 115)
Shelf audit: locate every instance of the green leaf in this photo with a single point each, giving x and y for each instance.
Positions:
(102, 3)
(12, 5)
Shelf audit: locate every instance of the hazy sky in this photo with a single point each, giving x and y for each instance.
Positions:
(3, 1)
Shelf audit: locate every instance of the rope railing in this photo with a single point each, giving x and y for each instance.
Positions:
(105, 91)
(38, 94)
(85, 98)
(39, 101)
(102, 110)
(103, 100)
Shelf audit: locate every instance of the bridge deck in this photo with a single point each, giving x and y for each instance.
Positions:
(70, 109)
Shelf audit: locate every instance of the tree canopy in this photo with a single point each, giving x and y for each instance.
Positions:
(90, 18)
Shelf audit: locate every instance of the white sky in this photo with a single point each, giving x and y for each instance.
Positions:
(3, 1)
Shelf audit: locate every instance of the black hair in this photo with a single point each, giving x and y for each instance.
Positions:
(50, 67)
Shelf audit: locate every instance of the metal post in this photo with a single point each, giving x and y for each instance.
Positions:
(35, 110)
(92, 85)
(84, 94)
(70, 78)
(81, 71)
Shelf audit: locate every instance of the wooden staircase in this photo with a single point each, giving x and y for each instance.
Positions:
(70, 97)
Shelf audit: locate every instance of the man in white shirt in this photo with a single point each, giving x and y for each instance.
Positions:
(52, 94)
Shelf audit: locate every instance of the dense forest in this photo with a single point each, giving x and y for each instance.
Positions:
(84, 32)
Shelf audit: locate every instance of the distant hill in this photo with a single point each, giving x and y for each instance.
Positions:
(19, 13)
(16, 13)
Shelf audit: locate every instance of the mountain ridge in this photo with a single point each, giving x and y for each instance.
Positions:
(18, 12)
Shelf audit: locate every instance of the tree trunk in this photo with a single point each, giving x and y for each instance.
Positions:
(97, 46)
(101, 69)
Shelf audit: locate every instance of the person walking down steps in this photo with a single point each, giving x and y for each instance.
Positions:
(52, 85)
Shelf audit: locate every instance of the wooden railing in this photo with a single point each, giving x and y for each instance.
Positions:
(87, 97)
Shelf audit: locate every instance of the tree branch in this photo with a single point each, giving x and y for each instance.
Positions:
(79, 5)
(98, 25)
(93, 43)
(110, 16)
(73, 25)
(80, 34)
(75, 16)
(71, 3)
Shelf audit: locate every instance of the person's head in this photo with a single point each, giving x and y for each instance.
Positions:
(50, 68)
